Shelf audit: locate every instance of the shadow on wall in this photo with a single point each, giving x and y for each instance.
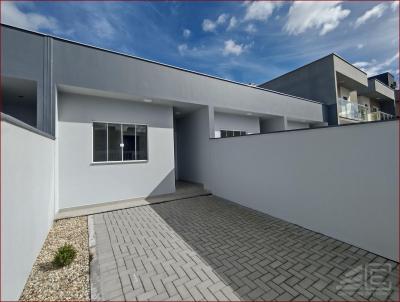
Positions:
(164, 186)
(183, 189)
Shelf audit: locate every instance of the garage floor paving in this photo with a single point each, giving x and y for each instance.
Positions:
(207, 248)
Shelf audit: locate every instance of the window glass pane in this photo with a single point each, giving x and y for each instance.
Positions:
(114, 141)
(141, 142)
(236, 133)
(99, 142)
(230, 133)
(129, 141)
(242, 133)
(224, 133)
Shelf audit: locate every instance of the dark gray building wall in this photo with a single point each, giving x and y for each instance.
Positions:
(386, 78)
(23, 113)
(388, 107)
(315, 81)
(27, 56)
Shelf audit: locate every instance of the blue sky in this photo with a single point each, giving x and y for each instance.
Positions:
(249, 42)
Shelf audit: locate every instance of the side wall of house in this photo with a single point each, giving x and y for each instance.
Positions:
(83, 183)
(225, 121)
(318, 180)
(27, 198)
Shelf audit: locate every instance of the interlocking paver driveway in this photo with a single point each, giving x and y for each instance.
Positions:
(207, 248)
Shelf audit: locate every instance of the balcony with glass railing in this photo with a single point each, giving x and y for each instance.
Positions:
(360, 113)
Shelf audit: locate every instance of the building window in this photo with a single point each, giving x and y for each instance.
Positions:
(229, 133)
(119, 142)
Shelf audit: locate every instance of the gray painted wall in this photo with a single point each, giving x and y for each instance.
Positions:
(330, 189)
(82, 183)
(315, 81)
(193, 146)
(54, 62)
(27, 197)
(26, 56)
(226, 121)
(292, 125)
(111, 72)
(273, 124)
(23, 112)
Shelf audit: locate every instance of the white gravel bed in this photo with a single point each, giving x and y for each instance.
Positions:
(47, 283)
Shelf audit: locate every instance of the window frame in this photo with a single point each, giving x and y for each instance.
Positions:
(232, 132)
(122, 161)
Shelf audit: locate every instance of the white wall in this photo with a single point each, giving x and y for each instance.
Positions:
(27, 197)
(225, 121)
(318, 179)
(82, 183)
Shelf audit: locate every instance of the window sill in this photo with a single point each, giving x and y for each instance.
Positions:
(100, 163)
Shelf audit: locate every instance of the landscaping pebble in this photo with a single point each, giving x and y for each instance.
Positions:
(48, 283)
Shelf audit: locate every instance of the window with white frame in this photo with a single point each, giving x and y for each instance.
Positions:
(114, 142)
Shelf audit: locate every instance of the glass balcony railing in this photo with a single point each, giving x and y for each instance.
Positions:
(359, 112)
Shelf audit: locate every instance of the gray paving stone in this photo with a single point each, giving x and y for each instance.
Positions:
(207, 248)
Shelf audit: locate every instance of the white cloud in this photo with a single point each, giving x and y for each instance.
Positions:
(231, 48)
(182, 48)
(374, 13)
(250, 28)
(360, 46)
(12, 15)
(374, 68)
(222, 18)
(103, 28)
(209, 25)
(232, 23)
(323, 16)
(260, 10)
(186, 33)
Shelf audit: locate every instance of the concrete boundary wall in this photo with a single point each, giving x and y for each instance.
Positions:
(339, 181)
(27, 202)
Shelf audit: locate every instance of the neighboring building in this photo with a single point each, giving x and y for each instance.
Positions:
(386, 78)
(350, 96)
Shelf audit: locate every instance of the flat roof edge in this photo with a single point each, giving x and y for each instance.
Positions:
(375, 79)
(156, 62)
(333, 54)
